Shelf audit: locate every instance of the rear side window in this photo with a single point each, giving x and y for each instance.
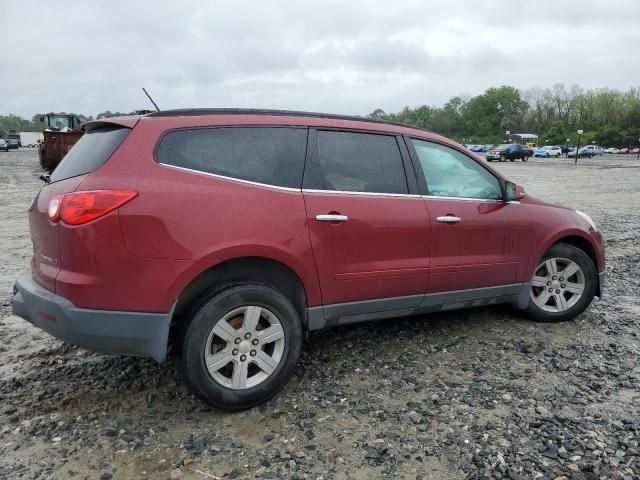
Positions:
(91, 152)
(361, 162)
(271, 155)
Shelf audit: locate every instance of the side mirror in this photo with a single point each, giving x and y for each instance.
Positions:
(513, 191)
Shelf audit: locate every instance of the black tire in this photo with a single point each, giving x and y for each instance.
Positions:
(525, 158)
(489, 159)
(564, 250)
(512, 159)
(193, 337)
(502, 158)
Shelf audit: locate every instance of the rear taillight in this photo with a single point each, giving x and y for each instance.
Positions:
(82, 207)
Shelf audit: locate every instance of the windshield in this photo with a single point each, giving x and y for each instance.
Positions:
(59, 121)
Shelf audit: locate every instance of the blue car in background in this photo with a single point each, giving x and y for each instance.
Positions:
(476, 148)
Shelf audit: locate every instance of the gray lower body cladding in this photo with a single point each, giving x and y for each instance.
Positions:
(353, 312)
(129, 333)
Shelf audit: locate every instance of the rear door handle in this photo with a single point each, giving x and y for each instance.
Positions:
(332, 218)
(449, 219)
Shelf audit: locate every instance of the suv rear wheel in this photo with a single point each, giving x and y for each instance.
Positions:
(563, 284)
(240, 346)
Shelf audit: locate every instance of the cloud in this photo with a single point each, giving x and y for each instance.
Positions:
(336, 56)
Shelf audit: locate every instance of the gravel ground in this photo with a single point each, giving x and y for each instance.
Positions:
(480, 393)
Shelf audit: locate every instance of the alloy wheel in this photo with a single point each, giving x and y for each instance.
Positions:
(244, 347)
(557, 284)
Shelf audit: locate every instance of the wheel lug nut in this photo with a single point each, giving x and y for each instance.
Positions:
(253, 353)
(551, 289)
(255, 341)
(247, 336)
(243, 358)
(563, 286)
(562, 279)
(558, 291)
(237, 341)
(548, 283)
(235, 351)
(554, 277)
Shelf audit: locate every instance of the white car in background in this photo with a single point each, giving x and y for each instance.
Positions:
(611, 150)
(548, 151)
(555, 151)
(4, 145)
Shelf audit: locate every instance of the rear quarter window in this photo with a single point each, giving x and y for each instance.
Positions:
(90, 152)
(269, 155)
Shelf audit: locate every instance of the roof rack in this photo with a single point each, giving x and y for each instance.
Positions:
(186, 112)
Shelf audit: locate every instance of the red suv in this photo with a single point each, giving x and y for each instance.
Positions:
(228, 234)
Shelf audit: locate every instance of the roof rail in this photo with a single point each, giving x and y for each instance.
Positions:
(187, 112)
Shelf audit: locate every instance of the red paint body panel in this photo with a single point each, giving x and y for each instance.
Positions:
(381, 251)
(142, 256)
(480, 251)
(45, 263)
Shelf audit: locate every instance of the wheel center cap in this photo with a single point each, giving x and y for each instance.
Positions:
(555, 284)
(244, 346)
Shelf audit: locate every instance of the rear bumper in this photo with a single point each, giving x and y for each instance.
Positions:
(129, 333)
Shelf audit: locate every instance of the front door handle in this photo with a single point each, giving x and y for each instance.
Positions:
(332, 218)
(449, 219)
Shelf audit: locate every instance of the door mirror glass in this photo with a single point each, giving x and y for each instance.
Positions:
(513, 191)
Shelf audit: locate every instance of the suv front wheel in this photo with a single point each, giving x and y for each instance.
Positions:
(563, 284)
(240, 346)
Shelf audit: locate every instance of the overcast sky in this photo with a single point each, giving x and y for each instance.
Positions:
(332, 56)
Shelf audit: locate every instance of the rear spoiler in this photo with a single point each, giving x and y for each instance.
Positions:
(128, 122)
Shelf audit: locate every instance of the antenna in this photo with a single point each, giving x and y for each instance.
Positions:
(149, 96)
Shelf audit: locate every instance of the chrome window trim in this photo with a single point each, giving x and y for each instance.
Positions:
(334, 192)
(224, 177)
(466, 199)
(348, 192)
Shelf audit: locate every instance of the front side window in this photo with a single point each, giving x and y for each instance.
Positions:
(449, 173)
(361, 162)
(270, 155)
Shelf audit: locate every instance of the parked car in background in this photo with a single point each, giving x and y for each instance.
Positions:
(119, 266)
(623, 150)
(4, 145)
(584, 152)
(611, 150)
(595, 149)
(476, 148)
(634, 151)
(547, 151)
(508, 151)
(13, 143)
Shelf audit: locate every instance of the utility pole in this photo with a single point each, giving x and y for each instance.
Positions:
(580, 132)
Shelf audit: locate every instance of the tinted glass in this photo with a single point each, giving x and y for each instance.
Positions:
(271, 155)
(91, 152)
(361, 162)
(449, 173)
